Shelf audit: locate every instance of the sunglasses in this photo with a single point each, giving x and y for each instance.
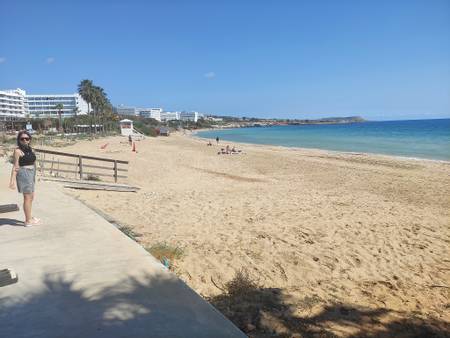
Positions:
(24, 138)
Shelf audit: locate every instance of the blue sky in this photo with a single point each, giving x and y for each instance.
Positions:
(384, 60)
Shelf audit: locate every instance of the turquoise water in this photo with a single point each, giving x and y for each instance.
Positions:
(428, 139)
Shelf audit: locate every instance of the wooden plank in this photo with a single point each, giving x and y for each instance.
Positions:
(42, 164)
(8, 208)
(69, 181)
(97, 187)
(76, 167)
(80, 166)
(8, 277)
(115, 171)
(76, 155)
(84, 165)
(62, 170)
(102, 167)
(86, 173)
(62, 163)
(51, 169)
(102, 174)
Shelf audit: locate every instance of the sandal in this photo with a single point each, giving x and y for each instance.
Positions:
(34, 221)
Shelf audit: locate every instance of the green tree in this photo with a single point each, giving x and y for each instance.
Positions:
(95, 97)
(59, 107)
(100, 104)
(86, 91)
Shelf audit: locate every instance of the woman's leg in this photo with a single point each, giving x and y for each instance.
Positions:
(27, 203)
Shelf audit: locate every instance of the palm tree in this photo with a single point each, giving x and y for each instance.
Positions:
(59, 107)
(100, 102)
(86, 91)
(95, 97)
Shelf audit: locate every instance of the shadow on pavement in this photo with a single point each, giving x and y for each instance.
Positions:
(11, 221)
(137, 307)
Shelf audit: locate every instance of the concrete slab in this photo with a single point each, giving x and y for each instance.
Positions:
(79, 276)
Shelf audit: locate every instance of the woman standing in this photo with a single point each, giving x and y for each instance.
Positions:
(24, 174)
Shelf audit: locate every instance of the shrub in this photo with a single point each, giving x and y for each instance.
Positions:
(147, 130)
(241, 285)
(164, 252)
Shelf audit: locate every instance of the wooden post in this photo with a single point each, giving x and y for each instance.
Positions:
(80, 165)
(115, 171)
(42, 165)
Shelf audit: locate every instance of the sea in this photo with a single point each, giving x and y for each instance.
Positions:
(426, 139)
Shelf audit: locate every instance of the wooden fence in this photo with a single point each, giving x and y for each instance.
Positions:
(79, 167)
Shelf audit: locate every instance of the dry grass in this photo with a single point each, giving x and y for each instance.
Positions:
(129, 232)
(241, 285)
(244, 301)
(165, 252)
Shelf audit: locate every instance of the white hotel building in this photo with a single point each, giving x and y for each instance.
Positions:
(12, 103)
(16, 103)
(154, 113)
(170, 116)
(124, 110)
(189, 116)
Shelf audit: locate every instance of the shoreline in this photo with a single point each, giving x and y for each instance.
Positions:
(194, 135)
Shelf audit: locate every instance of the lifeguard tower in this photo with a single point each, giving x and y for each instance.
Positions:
(127, 129)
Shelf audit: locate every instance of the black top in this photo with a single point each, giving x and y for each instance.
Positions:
(28, 157)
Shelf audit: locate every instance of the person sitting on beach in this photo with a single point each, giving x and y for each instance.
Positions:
(221, 152)
(235, 151)
(228, 149)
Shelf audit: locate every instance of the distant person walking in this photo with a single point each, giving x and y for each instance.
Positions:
(130, 140)
(23, 174)
(217, 139)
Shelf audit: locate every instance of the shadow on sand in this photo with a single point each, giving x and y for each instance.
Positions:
(264, 312)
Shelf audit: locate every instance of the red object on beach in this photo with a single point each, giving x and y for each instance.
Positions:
(104, 146)
(134, 147)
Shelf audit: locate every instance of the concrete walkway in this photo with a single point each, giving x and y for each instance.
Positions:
(81, 277)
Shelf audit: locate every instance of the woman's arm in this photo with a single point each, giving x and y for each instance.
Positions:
(15, 168)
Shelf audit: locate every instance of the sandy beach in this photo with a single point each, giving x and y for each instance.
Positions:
(345, 243)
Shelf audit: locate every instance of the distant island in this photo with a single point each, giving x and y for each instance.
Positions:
(245, 122)
(348, 119)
